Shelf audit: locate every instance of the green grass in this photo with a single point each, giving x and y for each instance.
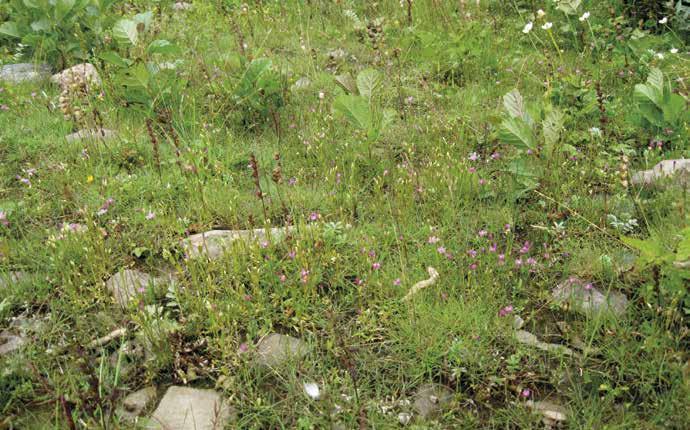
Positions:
(445, 76)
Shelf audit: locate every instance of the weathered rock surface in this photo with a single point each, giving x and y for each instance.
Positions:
(10, 343)
(530, 339)
(679, 168)
(127, 284)
(587, 299)
(81, 73)
(212, 244)
(24, 72)
(276, 349)
(430, 399)
(136, 403)
(552, 413)
(103, 134)
(185, 408)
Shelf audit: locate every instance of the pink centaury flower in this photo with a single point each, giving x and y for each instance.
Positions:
(505, 311)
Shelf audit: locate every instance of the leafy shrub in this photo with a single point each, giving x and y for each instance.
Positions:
(56, 31)
(259, 92)
(659, 108)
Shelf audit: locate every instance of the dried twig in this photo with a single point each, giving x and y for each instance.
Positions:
(433, 277)
(107, 338)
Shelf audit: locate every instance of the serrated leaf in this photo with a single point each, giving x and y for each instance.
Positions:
(517, 132)
(367, 81)
(569, 7)
(553, 125)
(655, 79)
(355, 109)
(683, 252)
(162, 46)
(125, 32)
(514, 104)
(113, 58)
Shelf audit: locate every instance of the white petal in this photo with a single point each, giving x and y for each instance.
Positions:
(312, 390)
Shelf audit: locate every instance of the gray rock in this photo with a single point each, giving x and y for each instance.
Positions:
(276, 349)
(664, 169)
(518, 322)
(185, 408)
(24, 72)
(585, 298)
(552, 413)
(103, 134)
(81, 73)
(11, 278)
(337, 54)
(10, 343)
(430, 399)
(182, 6)
(526, 338)
(136, 403)
(212, 244)
(128, 284)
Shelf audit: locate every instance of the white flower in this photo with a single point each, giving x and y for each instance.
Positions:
(663, 20)
(528, 27)
(595, 131)
(312, 390)
(673, 50)
(660, 56)
(547, 26)
(584, 17)
(540, 13)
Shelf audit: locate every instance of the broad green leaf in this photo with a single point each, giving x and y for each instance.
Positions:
(162, 46)
(674, 107)
(113, 58)
(10, 28)
(125, 32)
(651, 250)
(367, 81)
(683, 252)
(63, 8)
(518, 133)
(144, 18)
(389, 116)
(41, 25)
(514, 104)
(650, 103)
(355, 109)
(656, 79)
(553, 125)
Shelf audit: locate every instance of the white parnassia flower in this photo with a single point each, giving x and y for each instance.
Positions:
(673, 50)
(663, 20)
(547, 26)
(584, 17)
(541, 13)
(528, 27)
(312, 390)
(660, 56)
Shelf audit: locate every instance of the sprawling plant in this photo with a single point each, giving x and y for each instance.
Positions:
(659, 107)
(55, 30)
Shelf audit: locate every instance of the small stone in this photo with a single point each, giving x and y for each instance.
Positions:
(404, 418)
(10, 343)
(127, 284)
(530, 339)
(11, 278)
(81, 73)
(518, 322)
(136, 403)
(585, 298)
(185, 408)
(182, 6)
(212, 244)
(276, 349)
(663, 170)
(337, 54)
(24, 72)
(430, 399)
(552, 412)
(91, 135)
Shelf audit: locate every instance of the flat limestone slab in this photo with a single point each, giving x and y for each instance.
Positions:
(24, 72)
(276, 349)
(103, 134)
(213, 243)
(587, 299)
(663, 170)
(185, 408)
(127, 284)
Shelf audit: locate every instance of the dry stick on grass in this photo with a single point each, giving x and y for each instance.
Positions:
(433, 277)
(107, 338)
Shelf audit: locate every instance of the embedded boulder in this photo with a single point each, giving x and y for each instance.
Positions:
(127, 284)
(212, 244)
(680, 169)
(136, 403)
(102, 134)
(276, 350)
(84, 73)
(430, 399)
(587, 299)
(185, 408)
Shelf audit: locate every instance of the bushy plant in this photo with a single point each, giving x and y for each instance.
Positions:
(55, 31)
(259, 93)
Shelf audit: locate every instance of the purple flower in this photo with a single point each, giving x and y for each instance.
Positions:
(3, 218)
(243, 348)
(314, 216)
(24, 181)
(372, 253)
(397, 282)
(472, 253)
(292, 254)
(482, 233)
(501, 259)
(150, 215)
(588, 286)
(473, 266)
(518, 262)
(264, 244)
(505, 311)
(526, 393)
(474, 157)
(292, 181)
(441, 250)
(531, 261)
(495, 156)
(525, 247)
(493, 247)
(433, 239)
(376, 266)
(4, 107)
(471, 170)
